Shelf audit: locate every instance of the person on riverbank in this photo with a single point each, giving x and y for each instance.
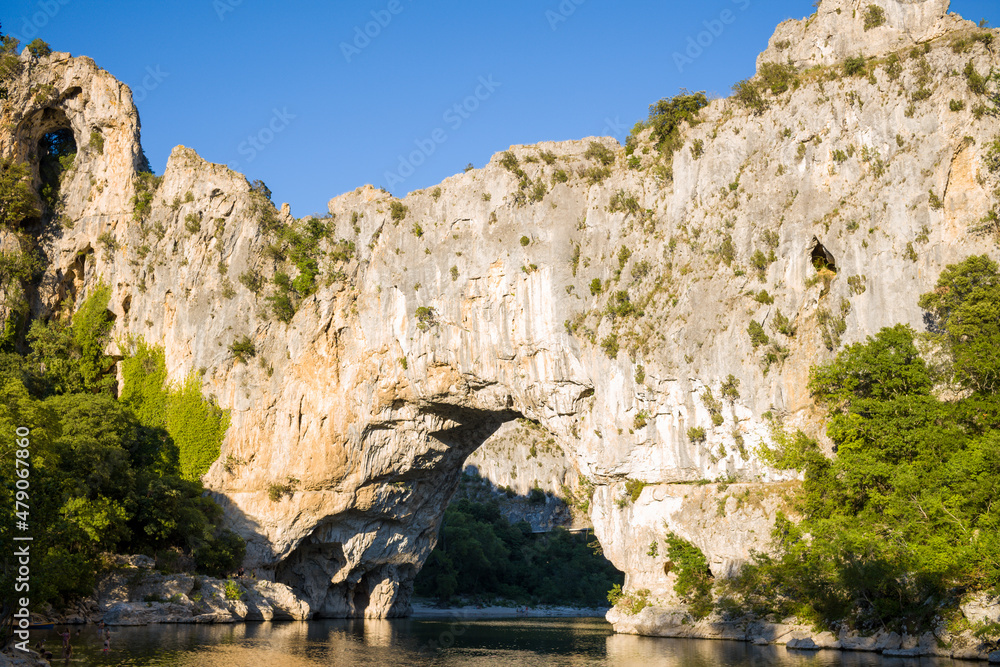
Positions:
(65, 637)
(107, 641)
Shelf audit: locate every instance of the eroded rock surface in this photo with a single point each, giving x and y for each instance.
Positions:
(599, 305)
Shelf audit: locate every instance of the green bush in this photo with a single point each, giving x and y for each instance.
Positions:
(221, 555)
(630, 603)
(252, 280)
(730, 388)
(747, 93)
(596, 287)
(831, 326)
(282, 305)
(72, 355)
(778, 77)
(694, 579)
(17, 201)
(855, 66)
(620, 305)
(610, 345)
(874, 17)
(625, 201)
(600, 154)
(39, 48)
(966, 311)
(233, 590)
(192, 223)
(633, 489)
(243, 349)
(398, 210)
(666, 118)
(696, 434)
(757, 334)
(783, 324)
(145, 184)
(197, 425)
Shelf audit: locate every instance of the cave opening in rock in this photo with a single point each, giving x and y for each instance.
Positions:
(56, 155)
(821, 258)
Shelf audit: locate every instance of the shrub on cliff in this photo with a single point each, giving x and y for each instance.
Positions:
(748, 94)
(694, 579)
(666, 118)
(874, 16)
(17, 202)
(39, 48)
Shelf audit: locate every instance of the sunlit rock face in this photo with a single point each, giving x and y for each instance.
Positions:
(600, 306)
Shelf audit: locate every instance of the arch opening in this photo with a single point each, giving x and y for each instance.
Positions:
(56, 152)
(489, 482)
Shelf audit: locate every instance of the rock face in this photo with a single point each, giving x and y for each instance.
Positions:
(841, 29)
(599, 302)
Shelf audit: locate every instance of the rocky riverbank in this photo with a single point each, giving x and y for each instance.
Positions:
(954, 640)
(133, 593)
(15, 658)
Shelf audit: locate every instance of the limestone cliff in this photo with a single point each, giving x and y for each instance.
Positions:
(599, 301)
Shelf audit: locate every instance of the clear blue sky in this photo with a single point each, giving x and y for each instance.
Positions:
(211, 74)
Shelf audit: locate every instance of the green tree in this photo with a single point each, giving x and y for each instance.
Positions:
(39, 48)
(965, 307)
(70, 357)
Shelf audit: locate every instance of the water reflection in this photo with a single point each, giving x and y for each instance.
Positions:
(628, 651)
(418, 643)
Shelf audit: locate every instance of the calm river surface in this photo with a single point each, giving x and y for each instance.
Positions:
(416, 643)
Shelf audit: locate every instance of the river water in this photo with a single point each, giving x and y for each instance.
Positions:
(419, 643)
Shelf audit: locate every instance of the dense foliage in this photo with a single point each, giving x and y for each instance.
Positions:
(694, 579)
(481, 554)
(105, 474)
(906, 518)
(195, 424)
